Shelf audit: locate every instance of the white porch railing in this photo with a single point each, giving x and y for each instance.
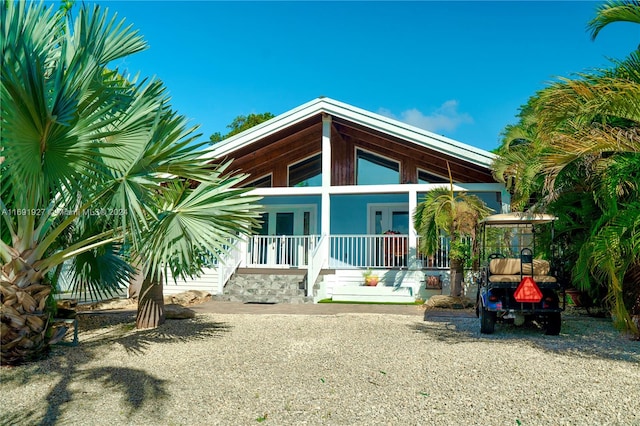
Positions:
(368, 251)
(280, 251)
(440, 259)
(345, 251)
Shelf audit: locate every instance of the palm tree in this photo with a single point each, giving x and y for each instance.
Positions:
(586, 146)
(515, 164)
(96, 169)
(455, 215)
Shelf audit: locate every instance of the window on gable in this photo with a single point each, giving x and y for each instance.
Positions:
(372, 169)
(263, 182)
(307, 172)
(426, 177)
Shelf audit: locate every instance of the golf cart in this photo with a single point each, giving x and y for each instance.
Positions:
(517, 283)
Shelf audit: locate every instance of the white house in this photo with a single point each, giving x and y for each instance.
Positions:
(339, 185)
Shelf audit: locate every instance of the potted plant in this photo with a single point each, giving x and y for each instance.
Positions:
(370, 279)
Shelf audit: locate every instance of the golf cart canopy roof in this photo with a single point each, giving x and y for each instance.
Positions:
(517, 218)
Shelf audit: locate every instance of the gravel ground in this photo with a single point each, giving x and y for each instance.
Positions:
(347, 369)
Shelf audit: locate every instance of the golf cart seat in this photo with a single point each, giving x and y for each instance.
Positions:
(512, 270)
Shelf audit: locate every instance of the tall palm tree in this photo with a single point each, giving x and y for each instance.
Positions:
(455, 215)
(95, 169)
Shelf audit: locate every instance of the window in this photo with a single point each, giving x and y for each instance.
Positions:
(426, 177)
(263, 182)
(372, 169)
(307, 172)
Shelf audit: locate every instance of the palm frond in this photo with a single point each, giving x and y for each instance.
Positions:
(196, 221)
(100, 273)
(614, 11)
(46, 132)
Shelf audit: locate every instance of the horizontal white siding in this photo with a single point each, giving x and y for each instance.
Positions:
(208, 281)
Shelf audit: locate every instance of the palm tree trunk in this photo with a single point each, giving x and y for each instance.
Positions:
(150, 304)
(631, 291)
(456, 272)
(24, 319)
(135, 284)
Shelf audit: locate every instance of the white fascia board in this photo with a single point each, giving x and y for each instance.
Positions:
(296, 190)
(266, 128)
(376, 189)
(359, 116)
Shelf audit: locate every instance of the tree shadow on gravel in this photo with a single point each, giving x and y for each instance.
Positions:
(579, 337)
(22, 417)
(66, 365)
(120, 329)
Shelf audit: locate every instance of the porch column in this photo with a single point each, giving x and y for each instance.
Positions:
(413, 236)
(325, 222)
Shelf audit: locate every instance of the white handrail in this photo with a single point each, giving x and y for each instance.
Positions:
(228, 264)
(316, 263)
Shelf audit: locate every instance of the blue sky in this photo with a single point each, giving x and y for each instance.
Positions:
(460, 69)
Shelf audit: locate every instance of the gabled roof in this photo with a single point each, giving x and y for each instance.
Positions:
(358, 116)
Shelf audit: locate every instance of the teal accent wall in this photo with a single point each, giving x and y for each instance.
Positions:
(273, 201)
(349, 212)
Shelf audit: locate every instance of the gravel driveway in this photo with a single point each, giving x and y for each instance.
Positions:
(345, 369)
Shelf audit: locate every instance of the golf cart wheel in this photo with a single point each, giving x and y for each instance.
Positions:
(554, 323)
(487, 321)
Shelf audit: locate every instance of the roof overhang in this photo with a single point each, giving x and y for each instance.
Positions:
(359, 116)
(517, 218)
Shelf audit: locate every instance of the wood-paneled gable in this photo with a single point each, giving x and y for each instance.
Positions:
(274, 153)
(410, 155)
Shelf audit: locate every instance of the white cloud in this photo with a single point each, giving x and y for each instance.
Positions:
(445, 118)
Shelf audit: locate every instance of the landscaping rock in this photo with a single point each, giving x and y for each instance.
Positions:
(186, 298)
(175, 311)
(116, 303)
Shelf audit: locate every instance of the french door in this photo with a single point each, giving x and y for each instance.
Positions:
(283, 240)
(387, 221)
(389, 217)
